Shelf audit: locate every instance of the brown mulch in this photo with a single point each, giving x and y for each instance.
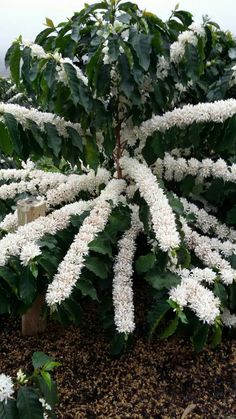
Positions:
(165, 379)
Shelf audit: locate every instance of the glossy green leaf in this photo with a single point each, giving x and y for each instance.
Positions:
(8, 410)
(54, 140)
(145, 263)
(28, 404)
(13, 130)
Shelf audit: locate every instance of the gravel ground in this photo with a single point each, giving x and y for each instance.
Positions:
(159, 380)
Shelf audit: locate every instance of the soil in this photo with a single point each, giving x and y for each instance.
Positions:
(164, 379)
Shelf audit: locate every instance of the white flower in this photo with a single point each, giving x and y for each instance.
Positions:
(163, 218)
(70, 268)
(122, 293)
(199, 299)
(29, 252)
(218, 111)
(12, 243)
(162, 67)
(21, 377)
(44, 404)
(22, 115)
(228, 319)
(6, 388)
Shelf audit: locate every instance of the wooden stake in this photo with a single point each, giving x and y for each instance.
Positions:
(32, 322)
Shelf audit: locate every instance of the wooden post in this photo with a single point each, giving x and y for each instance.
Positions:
(32, 322)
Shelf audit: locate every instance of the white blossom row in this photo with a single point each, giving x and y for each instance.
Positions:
(207, 222)
(162, 216)
(123, 277)
(203, 248)
(218, 111)
(70, 268)
(172, 168)
(191, 293)
(22, 115)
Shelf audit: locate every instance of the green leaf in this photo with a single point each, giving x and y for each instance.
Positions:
(185, 17)
(91, 153)
(49, 263)
(156, 314)
(176, 204)
(118, 343)
(47, 378)
(114, 52)
(49, 23)
(39, 359)
(229, 140)
(86, 287)
(145, 263)
(184, 257)
(221, 293)
(231, 216)
(97, 266)
(33, 127)
(193, 63)
(73, 310)
(73, 82)
(102, 246)
(50, 394)
(217, 336)
(75, 31)
(142, 46)
(8, 410)
(161, 280)
(10, 277)
(200, 336)
(171, 328)
(49, 366)
(119, 220)
(50, 72)
(75, 138)
(54, 141)
(27, 286)
(14, 62)
(5, 140)
(80, 94)
(12, 126)
(28, 404)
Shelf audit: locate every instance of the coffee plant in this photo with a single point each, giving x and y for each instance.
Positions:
(128, 133)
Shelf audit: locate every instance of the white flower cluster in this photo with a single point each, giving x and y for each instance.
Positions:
(122, 283)
(228, 319)
(13, 244)
(163, 66)
(29, 252)
(46, 407)
(163, 218)
(217, 111)
(105, 49)
(204, 248)
(177, 49)
(62, 76)
(67, 191)
(207, 222)
(6, 388)
(70, 268)
(38, 52)
(172, 168)
(10, 222)
(56, 188)
(190, 293)
(22, 115)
